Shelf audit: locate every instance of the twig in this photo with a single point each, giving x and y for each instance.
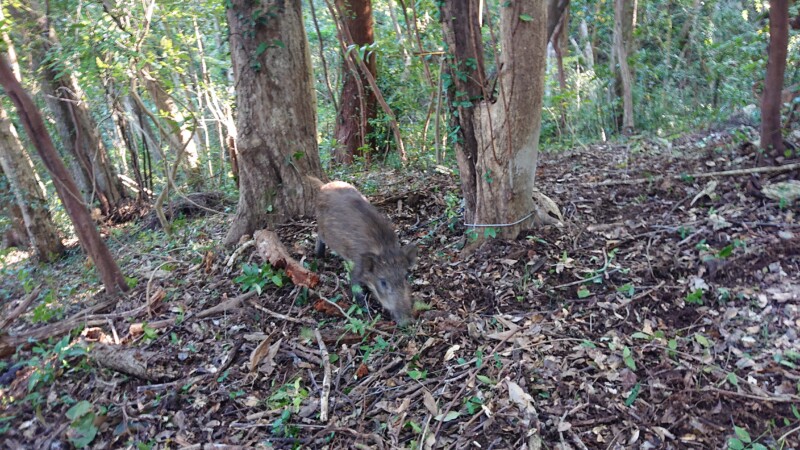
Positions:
(724, 173)
(281, 316)
(326, 379)
(238, 252)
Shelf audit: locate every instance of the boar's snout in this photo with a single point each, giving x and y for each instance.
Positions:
(385, 275)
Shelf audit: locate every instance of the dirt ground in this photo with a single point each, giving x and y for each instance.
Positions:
(664, 314)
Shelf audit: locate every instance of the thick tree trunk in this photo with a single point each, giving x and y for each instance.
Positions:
(358, 103)
(462, 36)
(18, 167)
(89, 237)
(498, 147)
(508, 130)
(78, 131)
(621, 50)
(771, 136)
(276, 107)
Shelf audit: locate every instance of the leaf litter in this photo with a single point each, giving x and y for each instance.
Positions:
(664, 314)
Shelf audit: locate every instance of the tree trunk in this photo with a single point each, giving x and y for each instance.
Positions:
(276, 107)
(621, 50)
(18, 167)
(78, 130)
(358, 102)
(183, 137)
(462, 36)
(559, 42)
(506, 132)
(16, 235)
(66, 188)
(555, 10)
(771, 136)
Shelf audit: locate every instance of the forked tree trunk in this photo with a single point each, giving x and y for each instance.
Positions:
(465, 66)
(67, 191)
(506, 131)
(771, 136)
(18, 167)
(621, 49)
(276, 119)
(358, 103)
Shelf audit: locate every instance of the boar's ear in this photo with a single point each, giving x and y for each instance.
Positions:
(368, 261)
(410, 252)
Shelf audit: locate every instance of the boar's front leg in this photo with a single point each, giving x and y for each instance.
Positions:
(319, 248)
(357, 288)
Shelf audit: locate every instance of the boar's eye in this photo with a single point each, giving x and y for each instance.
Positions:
(383, 284)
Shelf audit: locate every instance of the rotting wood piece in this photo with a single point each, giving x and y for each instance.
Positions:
(151, 366)
(269, 246)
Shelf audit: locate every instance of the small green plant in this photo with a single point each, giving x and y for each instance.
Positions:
(289, 397)
(742, 441)
(417, 374)
(255, 278)
(82, 429)
(695, 297)
(47, 309)
(48, 362)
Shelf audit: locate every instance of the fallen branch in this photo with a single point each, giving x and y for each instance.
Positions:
(151, 366)
(725, 173)
(326, 379)
(20, 309)
(269, 246)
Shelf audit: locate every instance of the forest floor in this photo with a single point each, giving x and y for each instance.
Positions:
(664, 314)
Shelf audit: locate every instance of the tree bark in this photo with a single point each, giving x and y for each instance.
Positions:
(358, 102)
(65, 186)
(621, 50)
(276, 122)
(555, 10)
(506, 132)
(182, 142)
(18, 167)
(78, 131)
(771, 136)
(15, 235)
(463, 38)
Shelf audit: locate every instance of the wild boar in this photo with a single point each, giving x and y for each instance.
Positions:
(358, 232)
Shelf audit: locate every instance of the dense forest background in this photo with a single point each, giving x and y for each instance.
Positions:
(649, 301)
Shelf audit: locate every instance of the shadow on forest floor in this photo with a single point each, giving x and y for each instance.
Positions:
(664, 315)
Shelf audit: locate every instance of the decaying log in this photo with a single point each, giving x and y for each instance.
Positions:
(151, 366)
(269, 247)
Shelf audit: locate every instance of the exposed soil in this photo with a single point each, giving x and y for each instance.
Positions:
(664, 314)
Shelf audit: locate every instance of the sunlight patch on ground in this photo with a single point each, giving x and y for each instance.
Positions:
(13, 257)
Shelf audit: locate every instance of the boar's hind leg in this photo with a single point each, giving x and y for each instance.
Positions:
(319, 249)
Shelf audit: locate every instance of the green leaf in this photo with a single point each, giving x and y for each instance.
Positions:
(732, 378)
(726, 251)
(757, 446)
(640, 335)
(742, 434)
(448, 417)
(627, 356)
(485, 380)
(79, 409)
(525, 17)
(633, 395)
(702, 340)
(583, 292)
(735, 444)
(262, 47)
